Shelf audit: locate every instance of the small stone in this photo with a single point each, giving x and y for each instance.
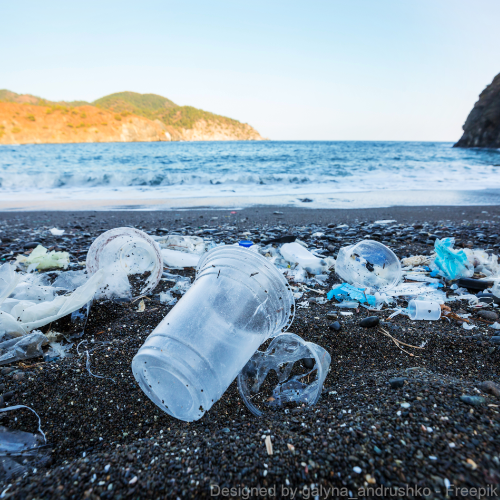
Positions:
(495, 339)
(473, 400)
(226, 430)
(31, 244)
(309, 363)
(8, 395)
(489, 315)
(397, 382)
(18, 376)
(490, 387)
(369, 322)
(377, 450)
(335, 326)
(2, 402)
(6, 371)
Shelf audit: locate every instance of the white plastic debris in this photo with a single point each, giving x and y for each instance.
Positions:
(186, 244)
(9, 279)
(42, 260)
(167, 298)
(416, 260)
(27, 315)
(71, 280)
(295, 253)
(57, 232)
(179, 260)
(368, 264)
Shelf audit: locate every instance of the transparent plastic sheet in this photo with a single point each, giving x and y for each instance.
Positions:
(451, 263)
(275, 379)
(482, 261)
(9, 279)
(126, 250)
(26, 316)
(71, 280)
(186, 244)
(368, 264)
(21, 451)
(25, 347)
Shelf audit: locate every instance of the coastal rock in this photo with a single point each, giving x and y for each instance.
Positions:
(482, 127)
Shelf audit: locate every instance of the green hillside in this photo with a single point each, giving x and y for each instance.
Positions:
(156, 107)
(178, 121)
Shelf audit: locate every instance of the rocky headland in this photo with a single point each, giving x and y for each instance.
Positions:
(482, 127)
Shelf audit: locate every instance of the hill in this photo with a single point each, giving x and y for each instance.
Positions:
(120, 117)
(482, 127)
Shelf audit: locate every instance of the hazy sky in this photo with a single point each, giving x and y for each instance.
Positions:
(325, 70)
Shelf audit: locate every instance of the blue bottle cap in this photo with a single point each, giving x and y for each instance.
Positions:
(246, 243)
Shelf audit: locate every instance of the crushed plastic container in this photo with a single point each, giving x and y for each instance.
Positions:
(424, 310)
(368, 264)
(127, 250)
(238, 300)
(298, 383)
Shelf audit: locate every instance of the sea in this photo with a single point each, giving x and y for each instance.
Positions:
(308, 174)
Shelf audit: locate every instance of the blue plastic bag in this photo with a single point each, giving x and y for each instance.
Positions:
(343, 291)
(451, 263)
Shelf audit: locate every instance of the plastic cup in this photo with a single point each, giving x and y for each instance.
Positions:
(368, 264)
(238, 300)
(129, 250)
(424, 310)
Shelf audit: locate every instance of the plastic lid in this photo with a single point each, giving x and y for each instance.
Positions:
(246, 243)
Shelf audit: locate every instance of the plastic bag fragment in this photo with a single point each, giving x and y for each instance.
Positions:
(26, 347)
(368, 264)
(9, 279)
(21, 451)
(70, 280)
(41, 259)
(296, 382)
(449, 262)
(344, 290)
(295, 253)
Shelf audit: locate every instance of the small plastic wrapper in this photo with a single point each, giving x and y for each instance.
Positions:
(368, 264)
(344, 290)
(42, 259)
(289, 373)
(451, 263)
(179, 260)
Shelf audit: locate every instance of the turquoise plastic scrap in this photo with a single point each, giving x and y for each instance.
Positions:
(344, 290)
(452, 264)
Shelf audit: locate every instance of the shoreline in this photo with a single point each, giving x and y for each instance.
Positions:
(261, 215)
(141, 201)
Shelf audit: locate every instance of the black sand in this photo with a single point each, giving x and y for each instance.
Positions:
(358, 436)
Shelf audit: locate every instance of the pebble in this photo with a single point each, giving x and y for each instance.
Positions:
(495, 339)
(398, 382)
(473, 400)
(490, 387)
(309, 363)
(335, 326)
(31, 244)
(369, 322)
(489, 315)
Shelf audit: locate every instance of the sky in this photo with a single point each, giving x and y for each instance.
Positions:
(322, 70)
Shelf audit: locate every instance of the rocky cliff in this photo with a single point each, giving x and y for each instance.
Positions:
(122, 117)
(482, 127)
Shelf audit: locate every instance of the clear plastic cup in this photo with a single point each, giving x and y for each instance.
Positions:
(238, 300)
(368, 264)
(424, 310)
(130, 250)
